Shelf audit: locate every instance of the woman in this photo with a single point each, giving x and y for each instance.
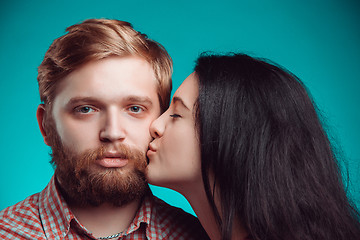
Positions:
(243, 143)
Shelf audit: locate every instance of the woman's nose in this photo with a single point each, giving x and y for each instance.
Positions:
(157, 127)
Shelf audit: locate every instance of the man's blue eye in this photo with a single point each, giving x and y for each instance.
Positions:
(84, 109)
(135, 109)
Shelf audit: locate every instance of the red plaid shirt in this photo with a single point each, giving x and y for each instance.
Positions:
(45, 215)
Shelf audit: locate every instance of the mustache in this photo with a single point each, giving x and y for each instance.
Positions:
(122, 150)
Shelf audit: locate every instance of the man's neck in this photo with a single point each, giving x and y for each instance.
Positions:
(105, 220)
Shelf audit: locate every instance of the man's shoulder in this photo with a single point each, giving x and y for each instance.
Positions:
(27, 207)
(175, 223)
(20, 219)
(167, 212)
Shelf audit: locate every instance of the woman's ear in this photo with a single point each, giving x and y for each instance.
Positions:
(40, 115)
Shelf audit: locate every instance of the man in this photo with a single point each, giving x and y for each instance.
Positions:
(101, 85)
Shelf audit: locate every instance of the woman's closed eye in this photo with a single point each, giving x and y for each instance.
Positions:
(175, 115)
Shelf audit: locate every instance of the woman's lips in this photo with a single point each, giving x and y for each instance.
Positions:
(151, 151)
(152, 147)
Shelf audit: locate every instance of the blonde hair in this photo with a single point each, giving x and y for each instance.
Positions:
(95, 39)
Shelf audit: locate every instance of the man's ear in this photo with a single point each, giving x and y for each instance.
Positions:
(40, 115)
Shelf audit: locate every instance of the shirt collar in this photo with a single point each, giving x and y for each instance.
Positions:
(143, 215)
(56, 216)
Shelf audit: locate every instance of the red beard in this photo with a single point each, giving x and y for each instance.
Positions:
(83, 182)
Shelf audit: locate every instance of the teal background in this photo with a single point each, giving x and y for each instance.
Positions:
(318, 40)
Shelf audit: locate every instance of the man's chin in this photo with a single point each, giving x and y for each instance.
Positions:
(93, 177)
(116, 186)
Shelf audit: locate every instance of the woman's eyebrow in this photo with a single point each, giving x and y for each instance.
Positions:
(179, 100)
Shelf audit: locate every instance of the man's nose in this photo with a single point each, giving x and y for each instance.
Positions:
(113, 128)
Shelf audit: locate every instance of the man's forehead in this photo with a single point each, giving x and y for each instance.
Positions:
(111, 79)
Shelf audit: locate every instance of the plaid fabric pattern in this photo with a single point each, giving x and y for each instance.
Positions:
(46, 215)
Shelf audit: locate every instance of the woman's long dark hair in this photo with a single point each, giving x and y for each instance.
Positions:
(274, 167)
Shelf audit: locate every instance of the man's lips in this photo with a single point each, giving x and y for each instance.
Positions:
(113, 160)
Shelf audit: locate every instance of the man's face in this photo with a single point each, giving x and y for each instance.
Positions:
(102, 113)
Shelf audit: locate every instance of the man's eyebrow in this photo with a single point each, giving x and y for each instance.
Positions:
(131, 98)
(139, 99)
(76, 100)
(179, 100)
